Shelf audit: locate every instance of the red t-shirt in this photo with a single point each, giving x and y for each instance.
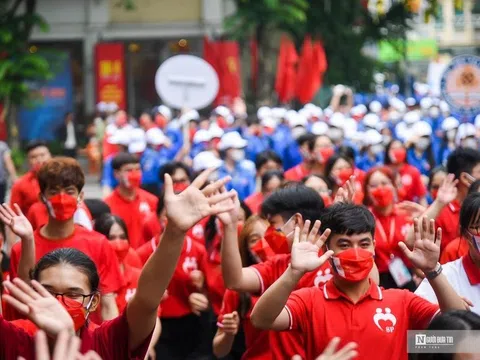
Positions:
(286, 344)
(133, 212)
(256, 341)
(254, 202)
(151, 227)
(132, 259)
(412, 184)
(454, 250)
(297, 173)
(448, 220)
(109, 340)
(146, 250)
(25, 191)
(378, 322)
(129, 287)
(389, 231)
(192, 258)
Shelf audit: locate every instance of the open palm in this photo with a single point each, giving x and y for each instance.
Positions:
(16, 221)
(39, 306)
(230, 217)
(184, 210)
(448, 190)
(306, 246)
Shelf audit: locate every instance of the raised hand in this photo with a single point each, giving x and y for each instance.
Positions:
(198, 303)
(230, 217)
(348, 352)
(346, 193)
(230, 323)
(306, 246)
(184, 210)
(413, 209)
(16, 221)
(38, 305)
(447, 192)
(426, 248)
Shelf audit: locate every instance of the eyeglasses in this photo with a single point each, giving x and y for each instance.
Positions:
(78, 299)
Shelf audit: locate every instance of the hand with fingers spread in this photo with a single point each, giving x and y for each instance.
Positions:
(413, 209)
(348, 352)
(16, 221)
(447, 192)
(306, 246)
(426, 248)
(198, 303)
(346, 193)
(39, 306)
(230, 217)
(186, 209)
(231, 323)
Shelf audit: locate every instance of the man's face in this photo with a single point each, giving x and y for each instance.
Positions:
(268, 166)
(38, 156)
(69, 190)
(341, 242)
(467, 179)
(123, 172)
(286, 226)
(180, 176)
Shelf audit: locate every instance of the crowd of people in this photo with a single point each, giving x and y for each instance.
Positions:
(310, 234)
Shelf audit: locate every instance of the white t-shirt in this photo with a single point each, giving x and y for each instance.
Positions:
(463, 276)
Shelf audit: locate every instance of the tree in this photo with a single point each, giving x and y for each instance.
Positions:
(18, 66)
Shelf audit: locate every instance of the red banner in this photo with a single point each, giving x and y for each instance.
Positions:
(110, 73)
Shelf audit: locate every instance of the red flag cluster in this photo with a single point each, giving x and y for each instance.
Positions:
(300, 77)
(224, 56)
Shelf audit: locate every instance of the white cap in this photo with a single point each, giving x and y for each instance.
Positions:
(137, 146)
(309, 106)
(290, 115)
(421, 89)
(316, 112)
(337, 120)
(319, 128)
(215, 131)
(120, 137)
(222, 111)
(263, 111)
(394, 115)
(137, 134)
(102, 106)
(371, 120)
(232, 140)
(422, 128)
(426, 103)
(444, 107)
(375, 106)
(269, 122)
(328, 112)
(205, 160)
(155, 136)
(306, 113)
(297, 120)
(372, 137)
(464, 131)
(276, 112)
(358, 110)
(350, 128)
(477, 121)
(112, 107)
(189, 116)
(202, 135)
(411, 117)
(165, 111)
(450, 123)
(410, 101)
(381, 125)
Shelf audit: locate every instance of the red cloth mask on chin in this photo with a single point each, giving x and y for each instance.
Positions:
(76, 311)
(382, 196)
(353, 264)
(343, 176)
(121, 248)
(398, 156)
(277, 240)
(62, 206)
(262, 250)
(324, 154)
(161, 121)
(133, 179)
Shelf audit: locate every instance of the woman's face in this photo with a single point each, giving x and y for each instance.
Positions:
(437, 180)
(258, 230)
(68, 280)
(379, 179)
(396, 145)
(273, 184)
(180, 176)
(117, 233)
(317, 184)
(321, 143)
(268, 166)
(340, 164)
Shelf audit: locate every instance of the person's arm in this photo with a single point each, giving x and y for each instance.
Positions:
(18, 224)
(225, 336)
(425, 256)
(236, 277)
(109, 307)
(270, 312)
(184, 210)
(7, 158)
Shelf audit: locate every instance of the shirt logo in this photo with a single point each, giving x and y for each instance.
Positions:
(197, 231)
(189, 264)
(322, 277)
(406, 180)
(129, 294)
(386, 317)
(144, 207)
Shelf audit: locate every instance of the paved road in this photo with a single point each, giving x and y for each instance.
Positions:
(92, 187)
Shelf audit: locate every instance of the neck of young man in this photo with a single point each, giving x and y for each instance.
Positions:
(127, 193)
(57, 230)
(354, 290)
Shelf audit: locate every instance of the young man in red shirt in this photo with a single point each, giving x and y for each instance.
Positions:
(61, 181)
(128, 200)
(357, 309)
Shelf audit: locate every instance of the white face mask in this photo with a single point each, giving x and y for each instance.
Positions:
(434, 112)
(298, 131)
(377, 149)
(451, 134)
(238, 155)
(470, 143)
(423, 143)
(334, 134)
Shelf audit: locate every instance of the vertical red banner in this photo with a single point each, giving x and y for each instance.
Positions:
(110, 73)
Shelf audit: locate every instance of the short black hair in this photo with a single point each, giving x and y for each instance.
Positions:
(469, 209)
(462, 160)
(265, 156)
(333, 159)
(297, 198)
(326, 180)
(124, 159)
(172, 166)
(347, 151)
(270, 175)
(97, 207)
(252, 120)
(33, 144)
(302, 139)
(348, 219)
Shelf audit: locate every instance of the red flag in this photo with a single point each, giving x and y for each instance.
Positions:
(319, 68)
(110, 73)
(305, 71)
(286, 71)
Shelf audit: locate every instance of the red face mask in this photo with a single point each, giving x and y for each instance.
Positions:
(192, 132)
(62, 206)
(133, 179)
(262, 250)
(353, 264)
(161, 121)
(121, 248)
(277, 241)
(382, 196)
(434, 193)
(268, 130)
(78, 314)
(327, 200)
(178, 187)
(324, 154)
(343, 176)
(221, 122)
(398, 156)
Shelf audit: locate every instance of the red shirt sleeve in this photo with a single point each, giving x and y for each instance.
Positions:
(109, 270)
(133, 259)
(269, 271)
(15, 342)
(421, 311)
(298, 307)
(15, 259)
(16, 194)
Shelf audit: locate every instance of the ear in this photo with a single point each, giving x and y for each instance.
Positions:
(298, 220)
(464, 179)
(95, 302)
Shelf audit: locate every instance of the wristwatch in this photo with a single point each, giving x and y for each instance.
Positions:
(435, 272)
